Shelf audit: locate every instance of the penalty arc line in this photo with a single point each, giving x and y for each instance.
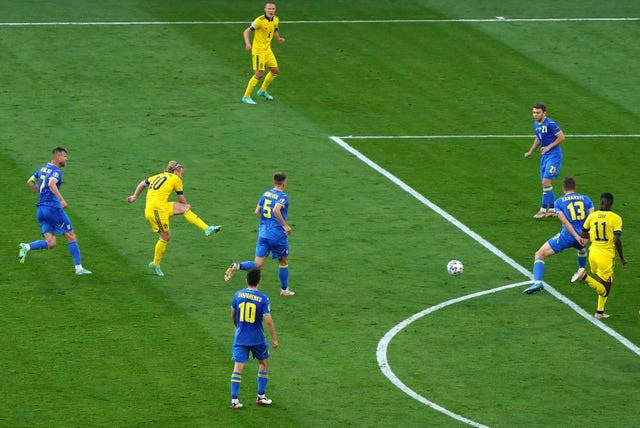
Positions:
(617, 336)
(383, 362)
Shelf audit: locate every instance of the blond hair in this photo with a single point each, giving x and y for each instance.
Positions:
(173, 166)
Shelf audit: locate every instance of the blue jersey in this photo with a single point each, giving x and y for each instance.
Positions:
(42, 177)
(249, 306)
(269, 224)
(575, 207)
(546, 132)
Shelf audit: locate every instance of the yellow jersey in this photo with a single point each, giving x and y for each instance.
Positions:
(603, 226)
(263, 30)
(161, 186)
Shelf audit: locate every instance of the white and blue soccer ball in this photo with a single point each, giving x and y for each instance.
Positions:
(455, 267)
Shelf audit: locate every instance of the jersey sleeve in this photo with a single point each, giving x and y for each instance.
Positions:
(588, 204)
(554, 128)
(57, 175)
(283, 200)
(617, 225)
(266, 308)
(178, 185)
(234, 301)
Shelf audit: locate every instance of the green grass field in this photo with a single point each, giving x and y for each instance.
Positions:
(125, 348)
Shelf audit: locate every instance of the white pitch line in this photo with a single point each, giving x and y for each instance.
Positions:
(355, 21)
(623, 340)
(447, 137)
(383, 345)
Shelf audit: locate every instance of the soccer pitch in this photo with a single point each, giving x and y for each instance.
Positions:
(378, 333)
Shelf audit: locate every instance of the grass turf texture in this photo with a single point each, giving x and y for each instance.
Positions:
(124, 347)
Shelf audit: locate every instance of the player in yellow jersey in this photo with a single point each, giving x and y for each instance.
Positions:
(603, 228)
(158, 208)
(264, 28)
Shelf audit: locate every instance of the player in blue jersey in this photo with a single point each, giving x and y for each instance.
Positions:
(549, 136)
(46, 181)
(248, 308)
(572, 209)
(273, 234)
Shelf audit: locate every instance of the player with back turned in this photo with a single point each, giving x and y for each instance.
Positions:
(603, 228)
(249, 308)
(273, 231)
(572, 209)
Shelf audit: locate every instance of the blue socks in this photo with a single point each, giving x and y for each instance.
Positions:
(283, 274)
(582, 258)
(40, 244)
(548, 197)
(74, 250)
(236, 380)
(263, 378)
(538, 270)
(246, 265)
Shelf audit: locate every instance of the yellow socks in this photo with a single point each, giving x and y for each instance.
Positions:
(192, 218)
(251, 86)
(597, 286)
(267, 81)
(601, 301)
(161, 247)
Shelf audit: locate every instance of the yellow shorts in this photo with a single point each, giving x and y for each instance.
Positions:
(261, 60)
(601, 264)
(158, 217)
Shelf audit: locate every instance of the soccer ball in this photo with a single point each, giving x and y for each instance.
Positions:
(455, 267)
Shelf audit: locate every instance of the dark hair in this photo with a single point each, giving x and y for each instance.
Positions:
(568, 183)
(253, 277)
(606, 196)
(58, 150)
(279, 177)
(540, 106)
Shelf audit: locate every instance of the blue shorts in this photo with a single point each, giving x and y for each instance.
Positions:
(550, 167)
(241, 352)
(562, 241)
(53, 220)
(277, 246)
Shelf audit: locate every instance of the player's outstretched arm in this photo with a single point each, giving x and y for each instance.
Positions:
(31, 182)
(131, 199)
(535, 144)
(247, 41)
